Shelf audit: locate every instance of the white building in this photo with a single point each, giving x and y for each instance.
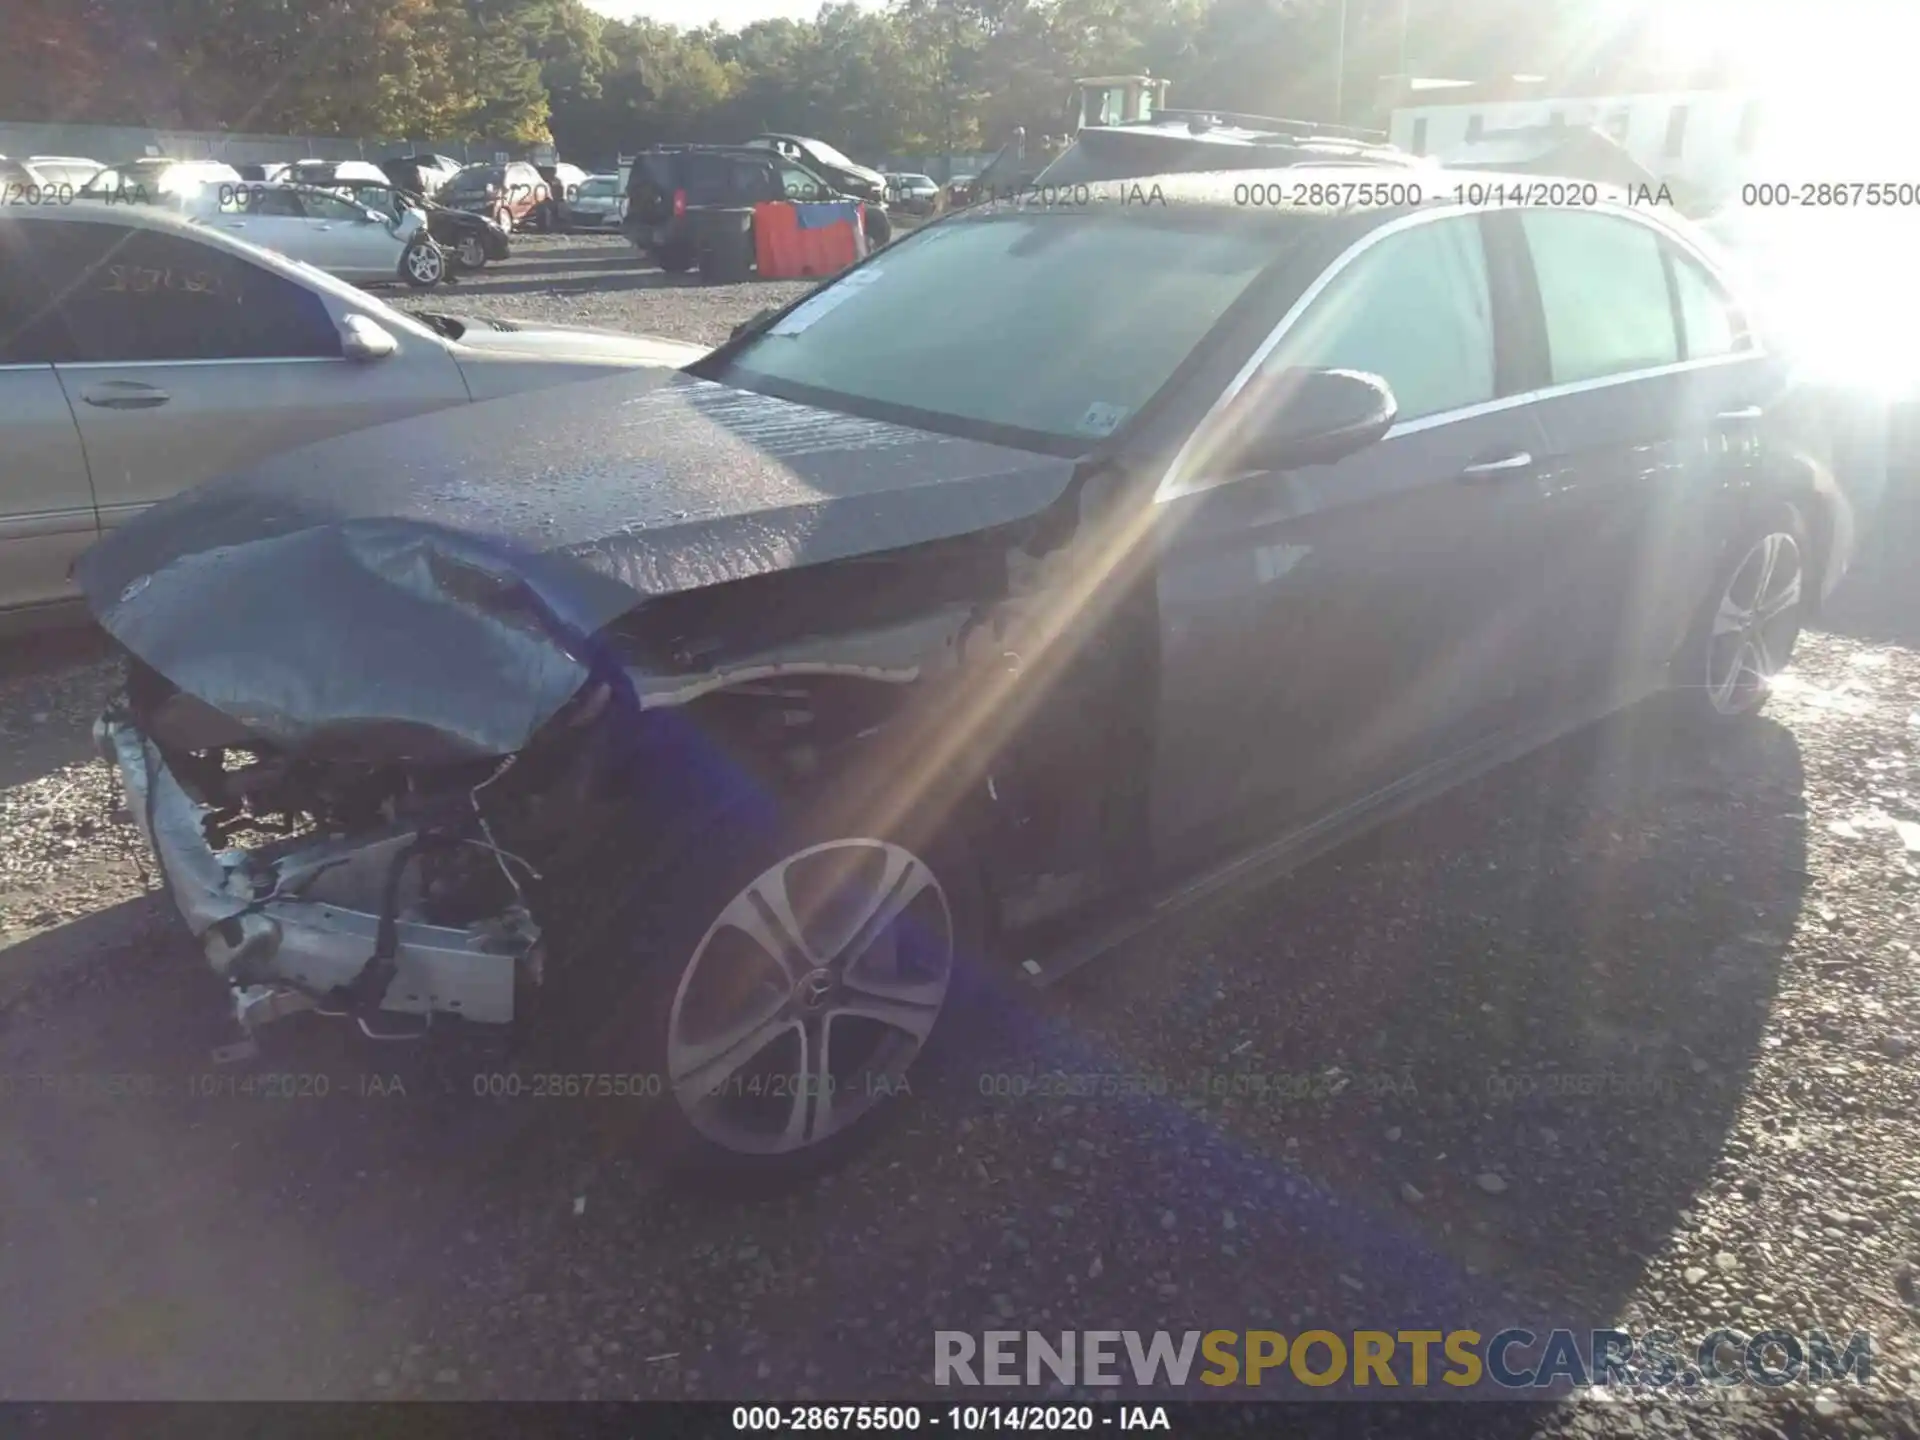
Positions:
(1703, 140)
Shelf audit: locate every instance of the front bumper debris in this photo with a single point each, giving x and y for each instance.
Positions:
(275, 925)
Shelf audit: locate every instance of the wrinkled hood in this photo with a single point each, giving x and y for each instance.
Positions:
(428, 586)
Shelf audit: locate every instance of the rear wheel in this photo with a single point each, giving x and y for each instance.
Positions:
(675, 259)
(471, 252)
(879, 226)
(1746, 631)
(503, 217)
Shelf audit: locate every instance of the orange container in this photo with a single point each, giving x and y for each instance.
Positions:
(776, 246)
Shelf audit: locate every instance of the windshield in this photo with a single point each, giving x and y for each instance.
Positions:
(603, 188)
(1071, 321)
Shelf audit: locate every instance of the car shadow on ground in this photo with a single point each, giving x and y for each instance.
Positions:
(50, 680)
(579, 258)
(1556, 978)
(611, 282)
(1562, 969)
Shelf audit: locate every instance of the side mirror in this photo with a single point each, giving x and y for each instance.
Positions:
(363, 339)
(1295, 417)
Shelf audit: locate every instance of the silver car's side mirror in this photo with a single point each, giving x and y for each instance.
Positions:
(363, 339)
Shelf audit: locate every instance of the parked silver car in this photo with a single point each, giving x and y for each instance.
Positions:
(326, 229)
(141, 354)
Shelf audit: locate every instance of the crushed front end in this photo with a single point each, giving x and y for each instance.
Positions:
(372, 891)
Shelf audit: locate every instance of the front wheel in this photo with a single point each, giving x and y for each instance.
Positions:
(781, 988)
(1745, 633)
(879, 226)
(424, 265)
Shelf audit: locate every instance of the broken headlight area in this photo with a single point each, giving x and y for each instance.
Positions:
(385, 891)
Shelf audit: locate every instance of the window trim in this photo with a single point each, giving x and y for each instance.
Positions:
(1176, 483)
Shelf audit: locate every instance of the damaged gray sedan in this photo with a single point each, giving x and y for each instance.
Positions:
(718, 731)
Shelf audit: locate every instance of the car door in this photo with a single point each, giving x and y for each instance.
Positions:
(46, 504)
(189, 359)
(358, 246)
(267, 216)
(1329, 630)
(1653, 394)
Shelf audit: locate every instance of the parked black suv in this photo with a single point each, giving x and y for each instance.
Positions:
(691, 205)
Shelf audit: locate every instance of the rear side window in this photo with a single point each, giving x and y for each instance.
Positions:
(1414, 309)
(126, 296)
(1603, 288)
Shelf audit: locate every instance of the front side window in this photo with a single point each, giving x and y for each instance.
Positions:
(1414, 309)
(1072, 321)
(331, 207)
(1603, 288)
(1709, 325)
(128, 296)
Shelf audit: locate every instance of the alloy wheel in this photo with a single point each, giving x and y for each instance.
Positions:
(426, 264)
(473, 252)
(809, 996)
(1755, 625)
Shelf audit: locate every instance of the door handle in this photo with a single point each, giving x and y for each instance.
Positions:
(1736, 417)
(1506, 467)
(124, 395)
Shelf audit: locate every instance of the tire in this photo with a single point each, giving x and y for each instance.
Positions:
(1747, 627)
(674, 259)
(879, 226)
(670, 963)
(471, 252)
(424, 264)
(503, 217)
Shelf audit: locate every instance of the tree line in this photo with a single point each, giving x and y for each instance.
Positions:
(917, 77)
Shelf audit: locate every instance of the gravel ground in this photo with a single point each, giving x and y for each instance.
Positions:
(1627, 1032)
(602, 280)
